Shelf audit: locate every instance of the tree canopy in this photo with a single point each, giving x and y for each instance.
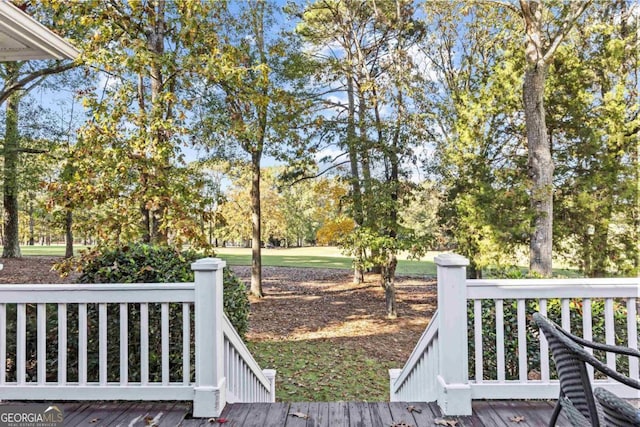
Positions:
(501, 130)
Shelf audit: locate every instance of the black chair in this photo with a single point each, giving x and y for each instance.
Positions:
(616, 412)
(571, 359)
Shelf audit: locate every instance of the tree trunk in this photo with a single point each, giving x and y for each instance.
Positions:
(32, 223)
(540, 163)
(540, 171)
(256, 255)
(388, 270)
(11, 151)
(159, 108)
(146, 222)
(68, 231)
(356, 194)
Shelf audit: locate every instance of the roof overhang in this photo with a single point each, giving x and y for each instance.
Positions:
(23, 38)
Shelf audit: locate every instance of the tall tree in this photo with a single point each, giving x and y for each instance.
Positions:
(128, 157)
(593, 112)
(341, 29)
(19, 78)
(473, 114)
(369, 66)
(11, 242)
(252, 102)
(539, 51)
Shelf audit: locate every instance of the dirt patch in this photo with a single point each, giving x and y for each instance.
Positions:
(307, 304)
(35, 269)
(314, 304)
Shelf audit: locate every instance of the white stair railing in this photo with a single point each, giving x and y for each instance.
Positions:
(507, 355)
(440, 369)
(417, 380)
(148, 329)
(246, 382)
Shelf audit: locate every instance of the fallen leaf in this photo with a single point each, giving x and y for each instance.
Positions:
(300, 415)
(517, 419)
(217, 420)
(94, 420)
(444, 422)
(412, 408)
(400, 424)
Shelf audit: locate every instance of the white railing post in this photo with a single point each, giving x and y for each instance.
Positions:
(394, 374)
(209, 396)
(454, 396)
(271, 376)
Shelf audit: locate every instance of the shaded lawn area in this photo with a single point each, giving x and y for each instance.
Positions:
(320, 371)
(329, 339)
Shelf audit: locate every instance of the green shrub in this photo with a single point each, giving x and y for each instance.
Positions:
(130, 264)
(160, 264)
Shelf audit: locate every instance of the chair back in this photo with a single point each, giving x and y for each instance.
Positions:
(570, 364)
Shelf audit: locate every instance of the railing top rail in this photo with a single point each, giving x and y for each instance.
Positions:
(95, 286)
(428, 335)
(553, 288)
(97, 293)
(605, 281)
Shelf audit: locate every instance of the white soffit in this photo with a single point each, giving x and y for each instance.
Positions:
(23, 38)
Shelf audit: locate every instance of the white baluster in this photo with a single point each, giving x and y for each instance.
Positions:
(102, 343)
(62, 344)
(124, 344)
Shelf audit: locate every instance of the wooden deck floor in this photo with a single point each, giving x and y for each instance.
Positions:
(305, 414)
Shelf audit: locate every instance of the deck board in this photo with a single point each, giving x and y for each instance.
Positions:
(277, 414)
(380, 414)
(235, 414)
(73, 414)
(359, 415)
(339, 414)
(314, 414)
(297, 411)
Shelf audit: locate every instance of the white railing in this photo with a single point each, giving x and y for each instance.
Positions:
(246, 382)
(62, 342)
(504, 356)
(417, 380)
(576, 304)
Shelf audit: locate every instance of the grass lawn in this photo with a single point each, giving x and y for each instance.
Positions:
(52, 250)
(320, 371)
(320, 257)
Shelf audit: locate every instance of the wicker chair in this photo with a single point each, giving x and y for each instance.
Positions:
(616, 412)
(575, 417)
(571, 358)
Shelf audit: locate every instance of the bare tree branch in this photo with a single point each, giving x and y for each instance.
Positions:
(505, 4)
(567, 24)
(319, 174)
(22, 83)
